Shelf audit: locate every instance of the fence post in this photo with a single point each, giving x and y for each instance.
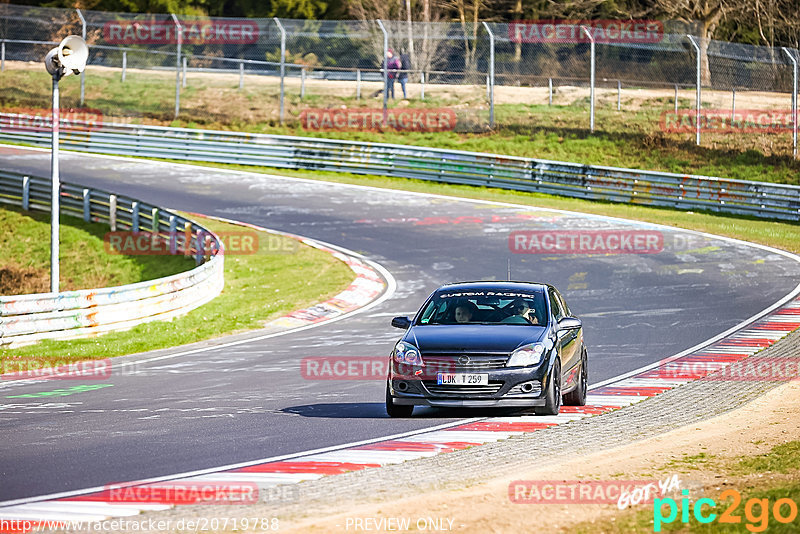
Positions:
(358, 84)
(591, 76)
(385, 67)
(179, 30)
(619, 95)
(698, 102)
(733, 104)
(26, 192)
(83, 72)
(422, 92)
(241, 75)
(302, 83)
(794, 99)
(3, 55)
(283, 61)
(676, 99)
(490, 77)
(124, 64)
(183, 81)
(87, 205)
(550, 91)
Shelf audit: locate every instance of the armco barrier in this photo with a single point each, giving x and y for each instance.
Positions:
(28, 318)
(593, 182)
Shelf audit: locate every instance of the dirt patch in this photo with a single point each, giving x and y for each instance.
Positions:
(698, 454)
(18, 280)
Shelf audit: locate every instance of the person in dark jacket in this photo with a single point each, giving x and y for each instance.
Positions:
(392, 66)
(405, 69)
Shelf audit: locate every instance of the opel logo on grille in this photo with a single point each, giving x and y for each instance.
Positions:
(463, 359)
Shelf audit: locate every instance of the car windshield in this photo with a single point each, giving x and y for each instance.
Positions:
(485, 307)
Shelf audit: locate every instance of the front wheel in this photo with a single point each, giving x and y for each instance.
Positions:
(553, 395)
(396, 410)
(577, 397)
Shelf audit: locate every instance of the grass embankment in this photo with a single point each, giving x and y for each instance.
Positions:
(767, 478)
(281, 276)
(526, 125)
(84, 262)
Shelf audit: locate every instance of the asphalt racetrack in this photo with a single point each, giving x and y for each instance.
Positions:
(226, 405)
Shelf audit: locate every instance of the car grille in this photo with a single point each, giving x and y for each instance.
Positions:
(449, 362)
(436, 389)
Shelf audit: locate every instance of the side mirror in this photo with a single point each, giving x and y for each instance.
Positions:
(401, 322)
(569, 323)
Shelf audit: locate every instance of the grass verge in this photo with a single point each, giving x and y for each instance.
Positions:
(633, 137)
(760, 481)
(258, 287)
(84, 262)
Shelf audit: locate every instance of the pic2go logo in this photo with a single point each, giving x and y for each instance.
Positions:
(756, 511)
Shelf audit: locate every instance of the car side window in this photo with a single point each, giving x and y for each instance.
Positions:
(555, 306)
(564, 308)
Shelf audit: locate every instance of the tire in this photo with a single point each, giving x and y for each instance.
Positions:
(553, 395)
(396, 410)
(577, 397)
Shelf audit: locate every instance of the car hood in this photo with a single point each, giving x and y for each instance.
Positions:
(472, 338)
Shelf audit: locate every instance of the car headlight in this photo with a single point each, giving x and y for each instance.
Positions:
(526, 356)
(408, 354)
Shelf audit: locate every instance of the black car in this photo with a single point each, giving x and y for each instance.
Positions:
(489, 344)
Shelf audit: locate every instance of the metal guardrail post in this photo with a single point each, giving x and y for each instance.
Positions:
(124, 64)
(358, 84)
(385, 67)
(241, 75)
(173, 234)
(591, 76)
(179, 33)
(3, 55)
(26, 193)
(135, 216)
(491, 74)
(550, 91)
(283, 62)
(698, 99)
(112, 212)
(154, 220)
(794, 99)
(87, 205)
(183, 77)
(83, 72)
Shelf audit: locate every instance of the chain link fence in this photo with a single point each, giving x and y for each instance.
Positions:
(227, 72)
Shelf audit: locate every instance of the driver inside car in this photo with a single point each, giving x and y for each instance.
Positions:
(521, 308)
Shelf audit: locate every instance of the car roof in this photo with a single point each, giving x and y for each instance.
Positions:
(495, 285)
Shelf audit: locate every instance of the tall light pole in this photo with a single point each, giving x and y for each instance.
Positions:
(69, 57)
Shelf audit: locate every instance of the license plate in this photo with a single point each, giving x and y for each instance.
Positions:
(462, 379)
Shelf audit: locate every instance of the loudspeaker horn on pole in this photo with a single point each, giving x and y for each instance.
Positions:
(69, 57)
